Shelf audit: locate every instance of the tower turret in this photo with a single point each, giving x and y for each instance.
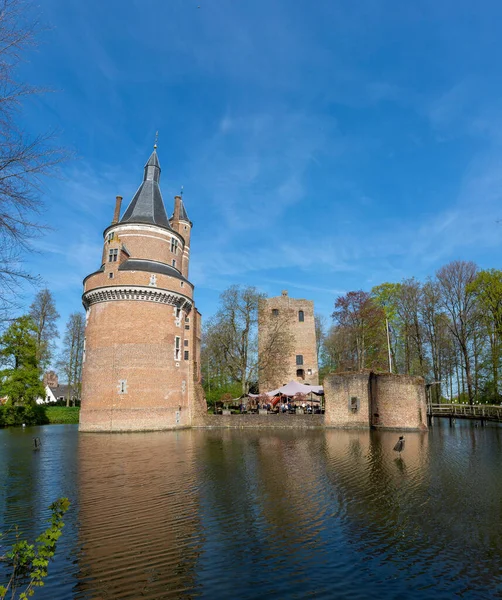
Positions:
(181, 223)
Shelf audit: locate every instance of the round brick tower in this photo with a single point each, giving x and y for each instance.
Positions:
(141, 351)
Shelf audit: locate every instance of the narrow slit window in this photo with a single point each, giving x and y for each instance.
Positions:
(177, 348)
(299, 359)
(301, 316)
(174, 263)
(186, 354)
(174, 245)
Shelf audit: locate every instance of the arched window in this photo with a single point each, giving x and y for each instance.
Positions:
(301, 316)
(300, 373)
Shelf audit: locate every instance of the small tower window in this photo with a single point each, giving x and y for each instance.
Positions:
(301, 316)
(186, 354)
(174, 245)
(178, 312)
(111, 236)
(185, 343)
(177, 347)
(110, 275)
(300, 373)
(275, 312)
(174, 263)
(112, 255)
(299, 359)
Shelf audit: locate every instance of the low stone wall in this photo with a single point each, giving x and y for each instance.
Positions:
(120, 420)
(261, 421)
(379, 400)
(338, 390)
(398, 402)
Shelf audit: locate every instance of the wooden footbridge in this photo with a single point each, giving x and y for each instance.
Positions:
(475, 412)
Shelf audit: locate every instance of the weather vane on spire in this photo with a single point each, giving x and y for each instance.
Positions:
(181, 193)
(156, 140)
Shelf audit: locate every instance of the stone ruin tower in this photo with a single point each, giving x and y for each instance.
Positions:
(141, 368)
(299, 361)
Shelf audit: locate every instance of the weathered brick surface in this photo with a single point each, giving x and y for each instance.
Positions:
(338, 391)
(385, 401)
(399, 402)
(130, 340)
(304, 343)
(145, 241)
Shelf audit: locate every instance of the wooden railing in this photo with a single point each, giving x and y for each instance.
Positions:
(466, 411)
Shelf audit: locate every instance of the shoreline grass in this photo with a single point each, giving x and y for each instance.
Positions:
(63, 414)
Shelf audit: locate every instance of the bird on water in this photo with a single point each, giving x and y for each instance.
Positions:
(399, 447)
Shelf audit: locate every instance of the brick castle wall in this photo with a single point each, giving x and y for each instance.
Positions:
(383, 401)
(338, 391)
(399, 401)
(131, 378)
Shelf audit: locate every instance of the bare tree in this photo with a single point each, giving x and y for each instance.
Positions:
(276, 343)
(459, 300)
(70, 362)
(44, 314)
(24, 159)
(230, 343)
(234, 333)
(320, 333)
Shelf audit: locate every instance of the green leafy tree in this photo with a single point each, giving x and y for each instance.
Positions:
(30, 562)
(20, 380)
(487, 288)
(360, 328)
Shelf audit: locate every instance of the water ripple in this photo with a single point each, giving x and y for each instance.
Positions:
(275, 514)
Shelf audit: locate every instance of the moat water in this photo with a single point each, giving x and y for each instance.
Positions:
(274, 514)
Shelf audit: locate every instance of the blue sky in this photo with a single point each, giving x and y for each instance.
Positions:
(323, 146)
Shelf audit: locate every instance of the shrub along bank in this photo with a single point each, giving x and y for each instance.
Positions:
(16, 416)
(31, 414)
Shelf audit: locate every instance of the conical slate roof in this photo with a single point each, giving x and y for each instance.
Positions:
(183, 212)
(147, 205)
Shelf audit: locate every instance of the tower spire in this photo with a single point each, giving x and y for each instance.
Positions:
(156, 140)
(147, 205)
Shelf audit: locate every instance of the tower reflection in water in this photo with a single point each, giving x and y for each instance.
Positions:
(232, 513)
(138, 515)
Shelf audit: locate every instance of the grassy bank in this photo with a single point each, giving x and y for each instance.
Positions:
(63, 414)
